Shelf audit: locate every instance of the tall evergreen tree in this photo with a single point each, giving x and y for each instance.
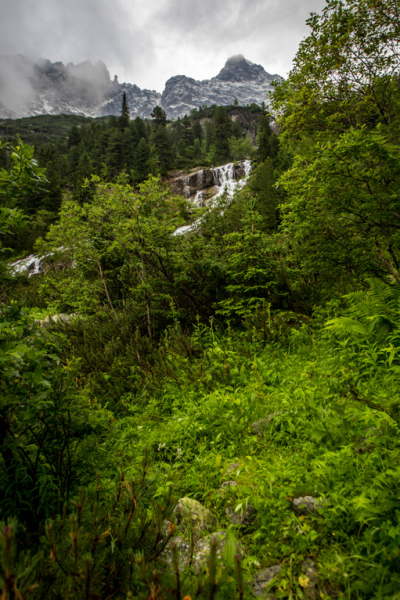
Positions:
(141, 131)
(124, 118)
(74, 137)
(197, 130)
(209, 135)
(222, 133)
(127, 149)
(267, 140)
(262, 184)
(164, 150)
(114, 153)
(159, 116)
(141, 169)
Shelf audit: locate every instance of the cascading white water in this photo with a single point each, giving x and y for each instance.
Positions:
(186, 188)
(33, 264)
(224, 178)
(199, 198)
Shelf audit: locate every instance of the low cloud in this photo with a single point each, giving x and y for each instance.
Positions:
(148, 43)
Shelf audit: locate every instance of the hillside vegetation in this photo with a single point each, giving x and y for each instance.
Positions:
(214, 414)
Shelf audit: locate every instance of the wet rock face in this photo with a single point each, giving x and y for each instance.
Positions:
(208, 181)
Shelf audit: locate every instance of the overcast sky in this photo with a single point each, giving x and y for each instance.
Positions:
(147, 41)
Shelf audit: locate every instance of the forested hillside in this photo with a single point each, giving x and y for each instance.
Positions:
(203, 401)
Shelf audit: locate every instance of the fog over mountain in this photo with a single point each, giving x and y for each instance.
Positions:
(30, 87)
(149, 42)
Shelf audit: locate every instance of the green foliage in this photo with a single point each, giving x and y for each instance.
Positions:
(345, 73)
(266, 195)
(16, 184)
(352, 203)
(260, 348)
(249, 268)
(222, 133)
(164, 150)
(159, 116)
(46, 430)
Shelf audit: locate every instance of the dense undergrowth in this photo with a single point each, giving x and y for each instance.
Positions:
(332, 400)
(251, 365)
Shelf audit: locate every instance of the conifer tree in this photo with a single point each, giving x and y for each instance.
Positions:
(222, 133)
(209, 135)
(74, 137)
(124, 118)
(262, 184)
(141, 170)
(114, 153)
(159, 116)
(140, 129)
(267, 140)
(197, 130)
(164, 149)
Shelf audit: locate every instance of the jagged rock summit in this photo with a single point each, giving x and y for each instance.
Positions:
(239, 80)
(39, 87)
(238, 68)
(36, 87)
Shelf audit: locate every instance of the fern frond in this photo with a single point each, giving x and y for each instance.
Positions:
(347, 326)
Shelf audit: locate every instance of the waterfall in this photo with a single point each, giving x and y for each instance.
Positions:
(225, 182)
(199, 198)
(186, 188)
(225, 178)
(33, 264)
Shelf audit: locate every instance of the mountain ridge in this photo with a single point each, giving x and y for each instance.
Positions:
(30, 88)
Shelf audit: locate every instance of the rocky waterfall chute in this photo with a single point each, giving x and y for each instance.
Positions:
(226, 179)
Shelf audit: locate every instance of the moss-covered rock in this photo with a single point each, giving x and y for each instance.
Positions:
(193, 516)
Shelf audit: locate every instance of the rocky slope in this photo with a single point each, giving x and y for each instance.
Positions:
(239, 79)
(30, 88)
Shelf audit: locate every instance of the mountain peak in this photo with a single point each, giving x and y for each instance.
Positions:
(238, 68)
(237, 59)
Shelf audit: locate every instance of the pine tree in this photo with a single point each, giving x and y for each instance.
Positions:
(127, 148)
(159, 116)
(124, 118)
(209, 135)
(141, 170)
(164, 149)
(52, 198)
(262, 184)
(140, 130)
(267, 140)
(74, 137)
(222, 133)
(197, 130)
(84, 171)
(114, 153)
(187, 133)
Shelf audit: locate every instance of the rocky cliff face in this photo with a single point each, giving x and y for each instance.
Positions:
(30, 88)
(239, 79)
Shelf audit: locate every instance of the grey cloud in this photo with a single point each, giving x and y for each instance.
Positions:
(75, 30)
(145, 43)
